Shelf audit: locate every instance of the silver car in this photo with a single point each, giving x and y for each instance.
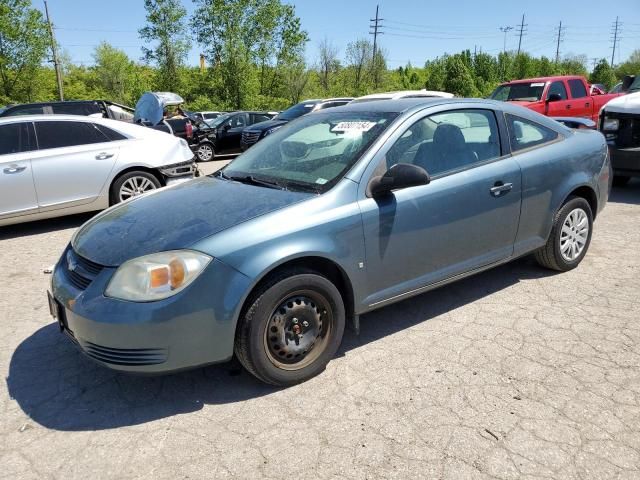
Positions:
(58, 165)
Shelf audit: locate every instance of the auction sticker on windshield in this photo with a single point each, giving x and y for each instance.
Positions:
(353, 127)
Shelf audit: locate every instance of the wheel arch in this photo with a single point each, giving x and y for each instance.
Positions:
(322, 265)
(588, 193)
(139, 168)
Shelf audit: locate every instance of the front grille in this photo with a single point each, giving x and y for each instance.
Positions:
(125, 356)
(79, 270)
(628, 133)
(250, 137)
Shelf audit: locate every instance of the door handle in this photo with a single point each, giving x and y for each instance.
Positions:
(103, 156)
(499, 188)
(568, 107)
(587, 104)
(14, 169)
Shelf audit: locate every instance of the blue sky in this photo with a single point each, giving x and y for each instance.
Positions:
(413, 30)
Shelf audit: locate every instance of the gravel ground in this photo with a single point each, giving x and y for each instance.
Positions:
(516, 373)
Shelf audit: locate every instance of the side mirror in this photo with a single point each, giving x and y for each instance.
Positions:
(226, 127)
(554, 97)
(401, 175)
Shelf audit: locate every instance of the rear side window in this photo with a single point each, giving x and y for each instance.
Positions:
(67, 134)
(558, 87)
(24, 110)
(258, 117)
(16, 138)
(84, 109)
(577, 88)
(525, 134)
(112, 135)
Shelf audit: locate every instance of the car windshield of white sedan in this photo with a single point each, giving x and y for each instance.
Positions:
(311, 153)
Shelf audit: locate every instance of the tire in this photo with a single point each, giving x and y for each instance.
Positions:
(124, 187)
(568, 230)
(205, 152)
(267, 342)
(620, 180)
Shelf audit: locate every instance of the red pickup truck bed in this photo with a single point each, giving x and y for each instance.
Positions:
(561, 96)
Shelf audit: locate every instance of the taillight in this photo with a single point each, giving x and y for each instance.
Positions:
(189, 129)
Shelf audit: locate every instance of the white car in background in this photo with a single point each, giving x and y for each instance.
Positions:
(58, 165)
(402, 94)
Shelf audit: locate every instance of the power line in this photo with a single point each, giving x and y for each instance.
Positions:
(521, 31)
(56, 63)
(560, 35)
(505, 30)
(616, 40)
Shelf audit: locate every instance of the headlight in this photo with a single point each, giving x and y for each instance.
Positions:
(156, 276)
(271, 130)
(610, 124)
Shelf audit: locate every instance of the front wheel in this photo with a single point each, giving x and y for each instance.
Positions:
(205, 152)
(132, 184)
(292, 328)
(570, 236)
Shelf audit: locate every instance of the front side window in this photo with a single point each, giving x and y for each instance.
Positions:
(314, 152)
(577, 88)
(448, 141)
(15, 138)
(67, 134)
(525, 133)
(558, 88)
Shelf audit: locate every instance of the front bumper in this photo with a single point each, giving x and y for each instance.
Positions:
(193, 328)
(625, 161)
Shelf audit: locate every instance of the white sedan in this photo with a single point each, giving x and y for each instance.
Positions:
(59, 165)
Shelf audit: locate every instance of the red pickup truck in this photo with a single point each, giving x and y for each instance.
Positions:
(562, 96)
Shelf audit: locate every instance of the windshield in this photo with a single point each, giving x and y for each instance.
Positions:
(635, 85)
(522, 92)
(312, 153)
(216, 122)
(296, 111)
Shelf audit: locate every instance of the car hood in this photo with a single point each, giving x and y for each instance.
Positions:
(175, 218)
(263, 126)
(625, 104)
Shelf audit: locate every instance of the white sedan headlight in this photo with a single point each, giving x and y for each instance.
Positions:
(156, 276)
(610, 124)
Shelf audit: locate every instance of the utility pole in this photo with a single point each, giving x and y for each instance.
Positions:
(521, 31)
(558, 42)
(616, 27)
(505, 30)
(375, 25)
(56, 63)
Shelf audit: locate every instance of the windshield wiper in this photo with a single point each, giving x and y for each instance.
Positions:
(250, 179)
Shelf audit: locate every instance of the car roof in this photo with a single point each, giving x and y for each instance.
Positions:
(402, 104)
(403, 94)
(544, 79)
(53, 102)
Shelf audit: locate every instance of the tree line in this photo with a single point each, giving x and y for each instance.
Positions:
(254, 55)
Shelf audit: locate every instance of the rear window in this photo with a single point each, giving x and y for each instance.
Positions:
(15, 138)
(577, 88)
(526, 134)
(67, 134)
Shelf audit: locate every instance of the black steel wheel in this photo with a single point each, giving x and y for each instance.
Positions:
(291, 329)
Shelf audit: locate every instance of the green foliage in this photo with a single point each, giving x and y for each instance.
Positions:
(631, 66)
(23, 46)
(166, 28)
(113, 72)
(603, 73)
(459, 80)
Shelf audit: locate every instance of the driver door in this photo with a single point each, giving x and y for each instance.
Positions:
(419, 236)
(230, 134)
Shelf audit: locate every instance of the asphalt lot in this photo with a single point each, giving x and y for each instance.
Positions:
(516, 373)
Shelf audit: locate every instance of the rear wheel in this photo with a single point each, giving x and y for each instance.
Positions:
(570, 236)
(132, 184)
(205, 152)
(620, 180)
(292, 328)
